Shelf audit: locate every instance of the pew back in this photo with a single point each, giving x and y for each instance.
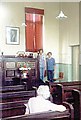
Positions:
(17, 96)
(43, 116)
(72, 94)
(14, 88)
(63, 92)
(50, 115)
(77, 103)
(9, 109)
(12, 103)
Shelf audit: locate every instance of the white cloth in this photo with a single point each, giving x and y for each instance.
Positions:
(39, 104)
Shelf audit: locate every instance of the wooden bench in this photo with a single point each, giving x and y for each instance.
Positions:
(9, 109)
(17, 96)
(63, 91)
(66, 115)
(66, 83)
(56, 92)
(70, 93)
(11, 102)
(77, 103)
(67, 92)
(13, 88)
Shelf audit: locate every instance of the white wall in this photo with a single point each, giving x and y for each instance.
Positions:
(59, 35)
(80, 29)
(69, 31)
(15, 15)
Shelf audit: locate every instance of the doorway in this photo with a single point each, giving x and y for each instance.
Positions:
(75, 62)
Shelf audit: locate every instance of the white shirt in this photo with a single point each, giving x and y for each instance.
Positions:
(39, 104)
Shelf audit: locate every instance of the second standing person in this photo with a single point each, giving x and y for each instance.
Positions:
(50, 62)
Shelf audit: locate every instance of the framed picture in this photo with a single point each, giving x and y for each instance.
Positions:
(12, 35)
(10, 73)
(10, 64)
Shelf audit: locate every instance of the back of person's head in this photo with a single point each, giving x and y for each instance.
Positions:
(40, 50)
(43, 90)
(49, 53)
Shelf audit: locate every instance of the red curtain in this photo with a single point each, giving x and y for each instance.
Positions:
(29, 30)
(39, 32)
(34, 32)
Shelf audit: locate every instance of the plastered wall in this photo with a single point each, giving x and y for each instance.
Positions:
(58, 35)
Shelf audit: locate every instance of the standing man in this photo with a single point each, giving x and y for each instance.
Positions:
(50, 62)
(41, 65)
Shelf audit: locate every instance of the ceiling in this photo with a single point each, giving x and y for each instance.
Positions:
(40, 0)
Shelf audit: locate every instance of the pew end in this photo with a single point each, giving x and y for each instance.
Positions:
(71, 109)
(77, 103)
(57, 93)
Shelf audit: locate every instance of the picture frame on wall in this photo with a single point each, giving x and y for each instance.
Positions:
(12, 35)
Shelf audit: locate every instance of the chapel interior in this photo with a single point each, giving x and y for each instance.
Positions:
(19, 65)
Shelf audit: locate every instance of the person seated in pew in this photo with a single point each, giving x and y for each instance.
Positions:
(41, 102)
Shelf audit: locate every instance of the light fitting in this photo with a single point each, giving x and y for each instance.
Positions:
(23, 24)
(61, 15)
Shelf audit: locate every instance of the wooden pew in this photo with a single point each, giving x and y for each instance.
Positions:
(17, 96)
(71, 94)
(13, 88)
(43, 116)
(11, 102)
(56, 92)
(66, 115)
(63, 91)
(9, 109)
(71, 109)
(67, 92)
(66, 84)
(77, 103)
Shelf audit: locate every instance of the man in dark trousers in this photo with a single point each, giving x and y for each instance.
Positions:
(50, 62)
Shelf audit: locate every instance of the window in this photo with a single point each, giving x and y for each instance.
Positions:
(34, 29)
